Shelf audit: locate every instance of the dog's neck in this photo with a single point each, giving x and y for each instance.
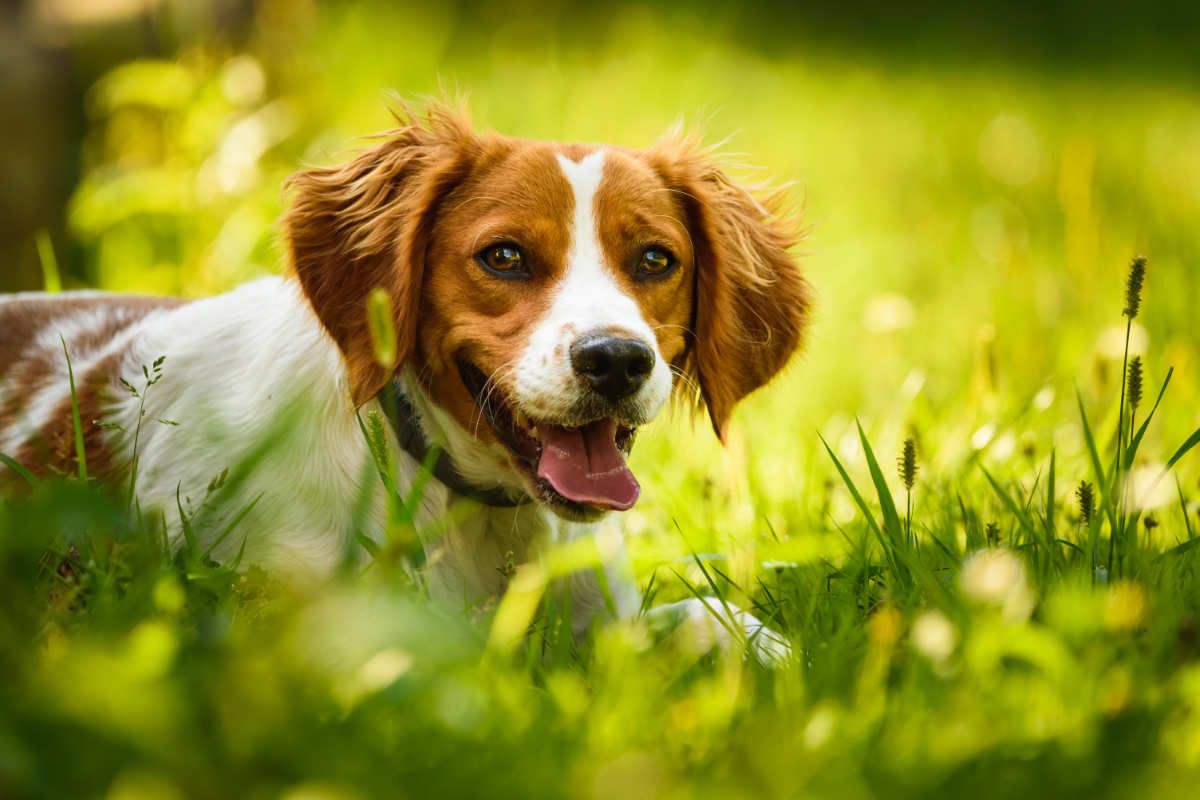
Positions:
(468, 555)
(413, 438)
(467, 466)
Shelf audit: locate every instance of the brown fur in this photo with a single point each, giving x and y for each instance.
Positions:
(751, 300)
(366, 225)
(515, 191)
(27, 369)
(409, 215)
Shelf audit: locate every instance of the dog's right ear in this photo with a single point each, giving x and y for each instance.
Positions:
(752, 301)
(365, 225)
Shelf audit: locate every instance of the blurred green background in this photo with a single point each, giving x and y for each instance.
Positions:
(976, 178)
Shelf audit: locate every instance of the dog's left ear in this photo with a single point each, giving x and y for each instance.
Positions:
(365, 225)
(751, 302)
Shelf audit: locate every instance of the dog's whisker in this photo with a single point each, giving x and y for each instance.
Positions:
(684, 377)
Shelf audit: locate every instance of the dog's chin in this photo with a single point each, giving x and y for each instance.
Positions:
(541, 453)
(569, 510)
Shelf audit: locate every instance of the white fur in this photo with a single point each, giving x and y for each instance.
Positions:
(48, 297)
(241, 369)
(255, 366)
(234, 366)
(588, 299)
(707, 623)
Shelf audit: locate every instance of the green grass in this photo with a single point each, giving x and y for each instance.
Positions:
(990, 652)
(971, 225)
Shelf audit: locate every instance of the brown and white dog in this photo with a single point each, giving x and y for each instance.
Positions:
(546, 299)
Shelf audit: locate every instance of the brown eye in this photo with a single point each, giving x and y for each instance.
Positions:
(656, 261)
(505, 259)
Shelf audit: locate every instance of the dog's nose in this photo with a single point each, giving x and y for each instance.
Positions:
(614, 366)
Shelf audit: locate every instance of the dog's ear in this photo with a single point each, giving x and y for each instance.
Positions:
(365, 225)
(751, 302)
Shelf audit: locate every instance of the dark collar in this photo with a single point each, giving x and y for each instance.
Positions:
(403, 418)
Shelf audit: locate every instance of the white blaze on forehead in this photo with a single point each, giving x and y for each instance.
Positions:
(588, 298)
(586, 258)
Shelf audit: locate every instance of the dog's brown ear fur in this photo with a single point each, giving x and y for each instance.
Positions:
(365, 225)
(751, 301)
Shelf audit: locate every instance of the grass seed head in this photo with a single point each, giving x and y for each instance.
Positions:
(1086, 494)
(908, 464)
(1133, 286)
(1134, 382)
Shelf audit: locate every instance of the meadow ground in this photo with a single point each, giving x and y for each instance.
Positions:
(972, 224)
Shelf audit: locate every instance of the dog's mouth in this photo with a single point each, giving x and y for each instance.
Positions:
(580, 469)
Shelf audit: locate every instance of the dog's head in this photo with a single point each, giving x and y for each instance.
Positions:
(548, 298)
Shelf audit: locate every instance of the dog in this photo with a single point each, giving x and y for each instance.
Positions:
(514, 309)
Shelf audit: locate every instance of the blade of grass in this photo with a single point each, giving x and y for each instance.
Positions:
(1050, 504)
(237, 520)
(236, 564)
(1102, 481)
(649, 594)
(185, 522)
(1022, 515)
(16, 467)
(1191, 442)
(860, 502)
(970, 528)
(417, 490)
(712, 584)
(1178, 549)
(80, 452)
(51, 279)
(1136, 441)
(367, 543)
(1071, 545)
(1183, 506)
(891, 517)
(737, 635)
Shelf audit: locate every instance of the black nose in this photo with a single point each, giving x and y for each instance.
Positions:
(613, 366)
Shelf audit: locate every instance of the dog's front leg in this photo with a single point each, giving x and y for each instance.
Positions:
(705, 623)
(701, 624)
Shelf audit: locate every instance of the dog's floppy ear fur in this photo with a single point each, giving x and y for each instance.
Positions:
(365, 225)
(751, 300)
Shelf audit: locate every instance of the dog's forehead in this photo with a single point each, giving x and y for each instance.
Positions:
(518, 175)
(533, 175)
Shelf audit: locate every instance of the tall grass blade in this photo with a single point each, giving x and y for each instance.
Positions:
(891, 517)
(18, 468)
(77, 424)
(712, 584)
(1050, 500)
(1102, 480)
(185, 524)
(1191, 442)
(1183, 506)
(1022, 514)
(237, 520)
(860, 503)
(738, 636)
(1136, 441)
(51, 278)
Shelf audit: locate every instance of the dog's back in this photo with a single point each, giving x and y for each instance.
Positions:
(37, 332)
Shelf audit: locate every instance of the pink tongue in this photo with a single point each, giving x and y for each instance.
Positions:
(584, 465)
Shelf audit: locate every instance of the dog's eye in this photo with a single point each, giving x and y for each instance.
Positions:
(505, 259)
(656, 261)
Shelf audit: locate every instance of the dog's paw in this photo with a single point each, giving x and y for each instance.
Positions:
(766, 644)
(702, 625)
